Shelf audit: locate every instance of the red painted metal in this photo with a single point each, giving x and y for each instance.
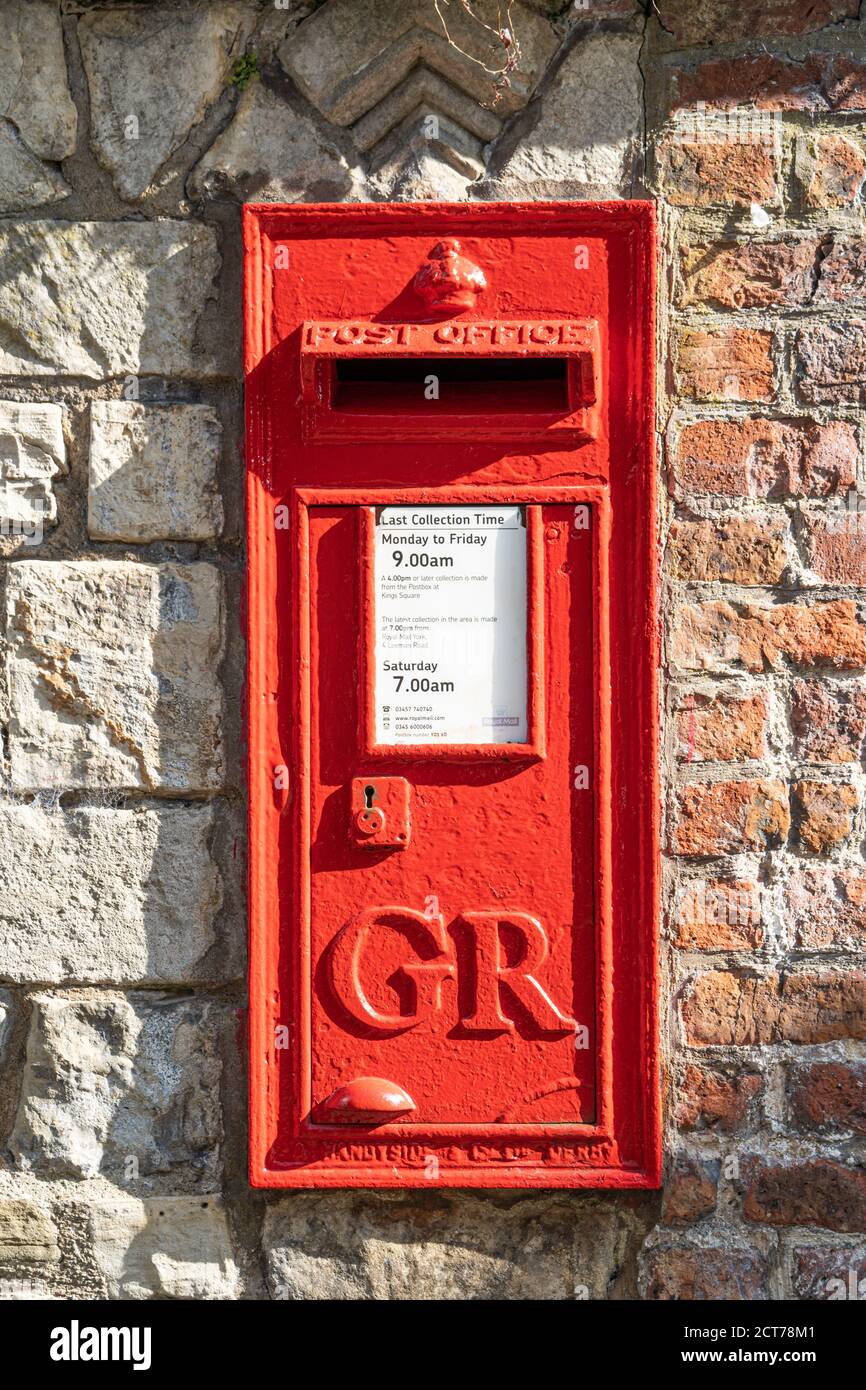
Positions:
(369, 1100)
(475, 1004)
(515, 416)
(449, 282)
(380, 815)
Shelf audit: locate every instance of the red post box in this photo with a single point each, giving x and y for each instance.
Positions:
(452, 698)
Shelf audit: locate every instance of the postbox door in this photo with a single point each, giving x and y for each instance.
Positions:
(453, 841)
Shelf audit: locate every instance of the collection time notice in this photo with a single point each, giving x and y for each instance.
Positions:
(450, 623)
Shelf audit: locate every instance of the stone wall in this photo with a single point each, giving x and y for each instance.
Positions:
(129, 135)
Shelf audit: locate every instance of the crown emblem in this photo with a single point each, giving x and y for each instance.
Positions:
(449, 281)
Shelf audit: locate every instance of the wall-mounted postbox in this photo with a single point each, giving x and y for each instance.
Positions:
(452, 652)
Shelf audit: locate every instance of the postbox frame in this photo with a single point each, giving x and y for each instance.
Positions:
(600, 1164)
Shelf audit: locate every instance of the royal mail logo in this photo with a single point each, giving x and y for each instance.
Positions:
(77, 1343)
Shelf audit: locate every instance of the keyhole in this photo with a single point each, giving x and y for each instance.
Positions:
(369, 793)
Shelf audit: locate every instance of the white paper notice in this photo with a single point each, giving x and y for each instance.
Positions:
(450, 602)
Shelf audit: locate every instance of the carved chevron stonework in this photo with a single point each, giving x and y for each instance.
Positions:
(405, 92)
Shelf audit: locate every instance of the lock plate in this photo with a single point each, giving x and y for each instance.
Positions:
(379, 815)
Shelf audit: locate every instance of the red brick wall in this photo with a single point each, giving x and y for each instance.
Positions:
(757, 140)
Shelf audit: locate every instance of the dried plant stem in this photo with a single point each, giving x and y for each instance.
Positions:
(502, 31)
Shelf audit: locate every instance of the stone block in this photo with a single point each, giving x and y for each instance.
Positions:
(113, 678)
(153, 472)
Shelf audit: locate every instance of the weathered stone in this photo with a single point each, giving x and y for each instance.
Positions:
(421, 175)
(163, 1247)
(27, 1232)
(749, 274)
(588, 127)
(32, 454)
(829, 1096)
(34, 89)
(690, 1191)
(730, 817)
(841, 276)
(423, 95)
(717, 915)
(699, 1273)
(830, 171)
(437, 1245)
(6, 1006)
(765, 458)
(725, 21)
(822, 1193)
(25, 182)
(126, 1086)
(700, 173)
(829, 722)
(98, 299)
(827, 908)
(272, 153)
(834, 541)
(831, 1275)
(345, 59)
(432, 155)
(93, 894)
(153, 472)
(727, 364)
(717, 636)
(152, 75)
(731, 550)
(831, 362)
(721, 1009)
(113, 675)
(722, 728)
(715, 1100)
(824, 813)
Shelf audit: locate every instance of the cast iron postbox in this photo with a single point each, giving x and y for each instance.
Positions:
(452, 698)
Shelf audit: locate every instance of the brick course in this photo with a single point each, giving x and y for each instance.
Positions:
(762, 413)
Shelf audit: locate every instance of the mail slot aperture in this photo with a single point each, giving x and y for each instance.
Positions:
(461, 385)
(452, 764)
